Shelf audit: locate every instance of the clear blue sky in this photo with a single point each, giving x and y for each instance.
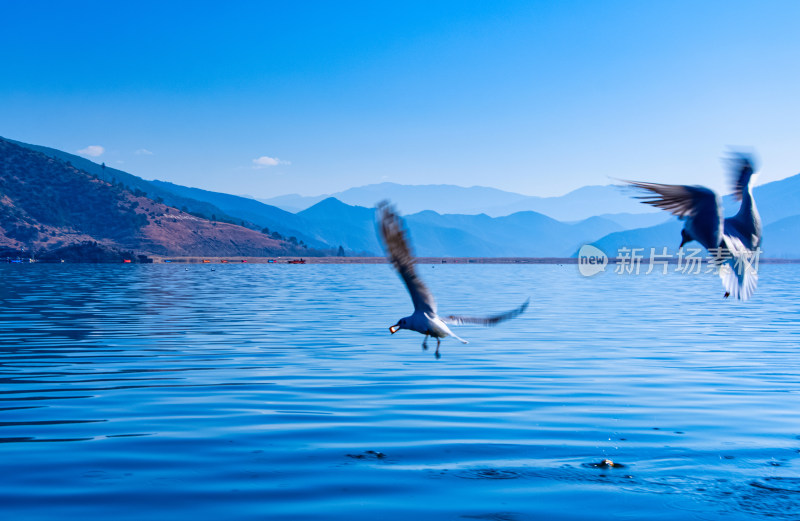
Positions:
(533, 97)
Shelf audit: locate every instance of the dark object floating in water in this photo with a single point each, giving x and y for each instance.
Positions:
(605, 464)
(489, 474)
(378, 455)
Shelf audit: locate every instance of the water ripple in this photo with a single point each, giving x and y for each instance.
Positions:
(264, 391)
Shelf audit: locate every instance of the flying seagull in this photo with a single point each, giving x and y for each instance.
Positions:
(424, 319)
(732, 242)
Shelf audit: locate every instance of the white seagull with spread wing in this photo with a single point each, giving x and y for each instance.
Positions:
(424, 319)
(733, 242)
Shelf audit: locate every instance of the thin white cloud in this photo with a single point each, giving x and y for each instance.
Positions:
(143, 152)
(266, 161)
(92, 151)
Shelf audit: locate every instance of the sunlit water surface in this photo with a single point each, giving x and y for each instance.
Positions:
(276, 392)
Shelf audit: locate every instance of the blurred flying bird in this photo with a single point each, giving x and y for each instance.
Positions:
(424, 319)
(733, 242)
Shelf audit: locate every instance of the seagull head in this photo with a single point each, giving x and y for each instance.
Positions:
(401, 324)
(685, 237)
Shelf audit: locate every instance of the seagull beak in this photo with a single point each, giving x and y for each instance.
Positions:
(394, 328)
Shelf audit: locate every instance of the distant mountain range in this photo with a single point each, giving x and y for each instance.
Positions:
(603, 215)
(589, 201)
(524, 234)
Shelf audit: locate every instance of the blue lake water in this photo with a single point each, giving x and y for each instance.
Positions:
(276, 392)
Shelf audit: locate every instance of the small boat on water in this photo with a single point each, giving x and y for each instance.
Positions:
(296, 261)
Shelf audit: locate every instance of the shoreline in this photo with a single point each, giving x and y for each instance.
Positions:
(373, 260)
(419, 260)
(361, 260)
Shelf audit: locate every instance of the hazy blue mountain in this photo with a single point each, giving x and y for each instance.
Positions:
(293, 202)
(437, 241)
(663, 235)
(338, 224)
(433, 234)
(263, 215)
(630, 221)
(412, 198)
(610, 201)
(579, 204)
(445, 199)
(523, 234)
(354, 228)
(449, 199)
(782, 238)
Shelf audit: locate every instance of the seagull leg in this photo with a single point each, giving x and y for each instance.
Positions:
(438, 343)
(425, 343)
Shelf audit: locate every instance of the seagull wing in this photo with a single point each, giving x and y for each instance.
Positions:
(738, 268)
(680, 200)
(741, 170)
(486, 321)
(698, 206)
(399, 253)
